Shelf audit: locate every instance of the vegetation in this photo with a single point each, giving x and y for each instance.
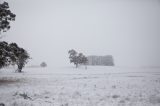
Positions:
(106, 60)
(12, 54)
(77, 58)
(43, 64)
(5, 17)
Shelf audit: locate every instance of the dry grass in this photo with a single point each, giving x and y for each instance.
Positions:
(5, 81)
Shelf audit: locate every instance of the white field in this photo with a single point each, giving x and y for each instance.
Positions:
(68, 86)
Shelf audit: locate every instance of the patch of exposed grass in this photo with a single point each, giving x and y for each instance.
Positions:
(5, 80)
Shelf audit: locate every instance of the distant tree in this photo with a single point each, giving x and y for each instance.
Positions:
(82, 59)
(5, 17)
(73, 57)
(11, 54)
(43, 64)
(77, 58)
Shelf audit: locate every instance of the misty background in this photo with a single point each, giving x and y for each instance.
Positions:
(129, 30)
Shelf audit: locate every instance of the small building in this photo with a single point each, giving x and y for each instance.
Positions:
(101, 60)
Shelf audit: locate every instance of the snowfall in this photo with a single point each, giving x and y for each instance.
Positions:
(68, 86)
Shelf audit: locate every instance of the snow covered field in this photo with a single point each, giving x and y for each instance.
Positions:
(67, 86)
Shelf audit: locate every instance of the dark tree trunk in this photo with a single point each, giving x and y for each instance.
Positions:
(19, 68)
(76, 65)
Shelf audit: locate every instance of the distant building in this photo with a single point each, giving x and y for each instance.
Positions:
(101, 60)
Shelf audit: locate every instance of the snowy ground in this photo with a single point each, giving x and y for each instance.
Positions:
(67, 86)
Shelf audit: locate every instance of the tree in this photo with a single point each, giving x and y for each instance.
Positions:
(18, 56)
(77, 58)
(22, 59)
(5, 17)
(73, 57)
(12, 54)
(43, 64)
(82, 59)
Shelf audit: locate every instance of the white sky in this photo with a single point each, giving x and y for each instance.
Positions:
(127, 29)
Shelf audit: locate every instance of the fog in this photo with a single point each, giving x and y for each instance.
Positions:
(129, 30)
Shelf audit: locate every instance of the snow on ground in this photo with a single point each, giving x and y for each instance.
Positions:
(67, 86)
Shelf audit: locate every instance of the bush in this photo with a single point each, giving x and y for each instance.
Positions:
(43, 64)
